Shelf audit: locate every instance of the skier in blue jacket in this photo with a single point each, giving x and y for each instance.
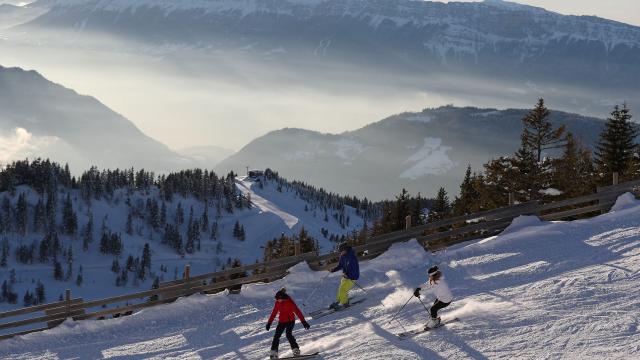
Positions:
(350, 273)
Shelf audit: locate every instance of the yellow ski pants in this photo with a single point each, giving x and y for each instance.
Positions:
(343, 290)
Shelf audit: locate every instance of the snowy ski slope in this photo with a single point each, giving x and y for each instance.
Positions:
(273, 213)
(539, 290)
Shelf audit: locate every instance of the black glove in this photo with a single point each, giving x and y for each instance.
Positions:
(268, 326)
(306, 325)
(417, 292)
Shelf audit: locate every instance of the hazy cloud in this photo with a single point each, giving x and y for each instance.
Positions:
(20, 144)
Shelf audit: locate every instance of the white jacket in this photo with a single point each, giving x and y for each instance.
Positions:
(440, 290)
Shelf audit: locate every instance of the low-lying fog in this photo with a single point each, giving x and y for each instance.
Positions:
(186, 97)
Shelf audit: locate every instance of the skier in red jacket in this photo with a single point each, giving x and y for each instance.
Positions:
(288, 311)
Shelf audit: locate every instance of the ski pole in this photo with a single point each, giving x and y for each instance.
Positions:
(314, 290)
(383, 305)
(361, 288)
(425, 306)
(402, 308)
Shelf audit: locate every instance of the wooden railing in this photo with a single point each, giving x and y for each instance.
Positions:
(433, 236)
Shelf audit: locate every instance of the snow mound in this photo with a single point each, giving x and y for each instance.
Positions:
(522, 222)
(411, 253)
(625, 201)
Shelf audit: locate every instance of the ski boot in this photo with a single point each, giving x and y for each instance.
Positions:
(334, 306)
(273, 354)
(296, 352)
(432, 323)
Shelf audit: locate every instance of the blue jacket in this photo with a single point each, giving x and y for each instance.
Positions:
(349, 265)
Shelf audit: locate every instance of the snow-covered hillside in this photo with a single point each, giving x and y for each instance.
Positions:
(539, 290)
(136, 217)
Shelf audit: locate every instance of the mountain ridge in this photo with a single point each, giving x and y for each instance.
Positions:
(95, 133)
(420, 151)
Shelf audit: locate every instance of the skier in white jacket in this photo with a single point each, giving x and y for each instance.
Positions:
(440, 289)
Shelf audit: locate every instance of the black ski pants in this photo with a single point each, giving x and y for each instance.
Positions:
(437, 306)
(288, 329)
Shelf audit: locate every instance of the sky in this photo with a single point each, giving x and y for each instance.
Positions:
(627, 11)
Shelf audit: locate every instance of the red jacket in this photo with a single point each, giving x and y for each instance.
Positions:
(288, 311)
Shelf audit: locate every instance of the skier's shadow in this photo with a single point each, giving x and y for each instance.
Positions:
(422, 352)
(408, 345)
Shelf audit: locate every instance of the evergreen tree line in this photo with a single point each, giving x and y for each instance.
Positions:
(285, 246)
(138, 267)
(47, 177)
(574, 170)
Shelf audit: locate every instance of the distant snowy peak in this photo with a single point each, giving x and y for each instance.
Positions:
(473, 25)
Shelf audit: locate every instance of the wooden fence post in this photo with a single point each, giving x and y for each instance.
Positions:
(187, 272)
(407, 222)
(67, 299)
(616, 178)
(512, 199)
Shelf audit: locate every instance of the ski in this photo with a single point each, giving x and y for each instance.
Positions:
(300, 357)
(422, 330)
(324, 312)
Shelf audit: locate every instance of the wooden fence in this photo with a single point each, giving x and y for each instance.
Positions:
(433, 236)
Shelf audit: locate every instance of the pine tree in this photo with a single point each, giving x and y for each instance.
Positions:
(190, 245)
(465, 203)
(573, 171)
(80, 277)
(69, 217)
(145, 263)
(27, 299)
(179, 214)
(214, 230)
(163, 214)
(124, 277)
(241, 234)
(39, 220)
(236, 230)
(57, 271)
(21, 214)
(115, 266)
(69, 257)
(4, 257)
(7, 214)
(441, 207)
(539, 134)
(50, 207)
(4, 296)
(87, 233)
(526, 172)
(129, 226)
(205, 218)
(617, 145)
(40, 293)
(131, 264)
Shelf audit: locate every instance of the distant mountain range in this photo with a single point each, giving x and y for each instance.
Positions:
(493, 38)
(59, 123)
(419, 151)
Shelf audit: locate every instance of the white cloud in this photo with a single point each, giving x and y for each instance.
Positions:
(20, 143)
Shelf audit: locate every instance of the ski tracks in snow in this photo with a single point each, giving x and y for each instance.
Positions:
(266, 206)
